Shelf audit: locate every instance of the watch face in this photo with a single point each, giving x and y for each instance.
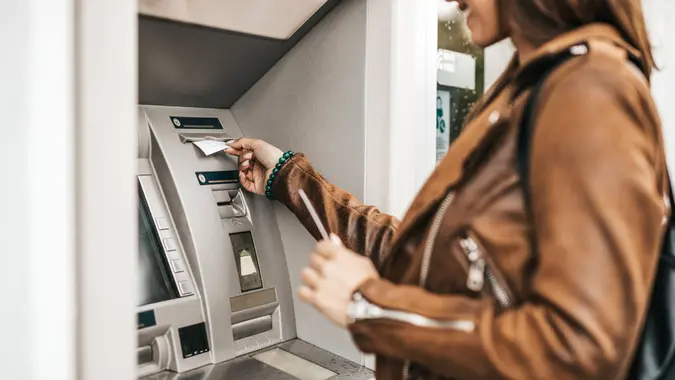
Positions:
(358, 307)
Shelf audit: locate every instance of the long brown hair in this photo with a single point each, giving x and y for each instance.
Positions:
(539, 21)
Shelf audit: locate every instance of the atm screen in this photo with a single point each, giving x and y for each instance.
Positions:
(155, 284)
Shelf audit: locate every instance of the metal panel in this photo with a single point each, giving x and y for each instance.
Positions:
(255, 17)
(205, 237)
(193, 66)
(251, 300)
(247, 367)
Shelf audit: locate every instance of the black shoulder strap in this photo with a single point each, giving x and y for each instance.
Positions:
(526, 131)
(525, 140)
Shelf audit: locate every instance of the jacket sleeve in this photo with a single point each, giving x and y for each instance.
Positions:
(363, 229)
(596, 183)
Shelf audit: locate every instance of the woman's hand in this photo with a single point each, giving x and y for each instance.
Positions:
(256, 162)
(333, 275)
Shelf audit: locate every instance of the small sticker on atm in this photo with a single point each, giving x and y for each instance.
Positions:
(146, 319)
(217, 178)
(184, 122)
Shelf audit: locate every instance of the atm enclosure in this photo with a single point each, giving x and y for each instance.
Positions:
(216, 292)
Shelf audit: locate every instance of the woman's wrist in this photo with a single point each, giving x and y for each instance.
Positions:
(285, 157)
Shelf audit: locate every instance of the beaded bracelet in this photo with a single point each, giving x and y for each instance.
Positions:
(284, 158)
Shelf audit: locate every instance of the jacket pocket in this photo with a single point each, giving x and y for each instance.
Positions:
(482, 271)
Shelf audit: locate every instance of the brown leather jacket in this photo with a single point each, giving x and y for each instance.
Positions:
(493, 307)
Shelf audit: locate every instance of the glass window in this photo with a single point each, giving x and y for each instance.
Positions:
(461, 76)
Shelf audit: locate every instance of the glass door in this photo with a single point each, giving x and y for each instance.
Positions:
(460, 75)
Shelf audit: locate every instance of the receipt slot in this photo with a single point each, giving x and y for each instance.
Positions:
(230, 203)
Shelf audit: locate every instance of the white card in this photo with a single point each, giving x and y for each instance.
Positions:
(246, 263)
(210, 147)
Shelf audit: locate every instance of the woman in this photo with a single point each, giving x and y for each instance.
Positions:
(457, 288)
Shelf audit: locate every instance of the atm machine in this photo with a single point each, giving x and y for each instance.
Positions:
(214, 282)
(215, 296)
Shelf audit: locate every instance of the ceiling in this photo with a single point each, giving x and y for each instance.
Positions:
(183, 64)
(254, 17)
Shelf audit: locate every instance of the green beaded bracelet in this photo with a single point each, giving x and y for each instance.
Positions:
(284, 158)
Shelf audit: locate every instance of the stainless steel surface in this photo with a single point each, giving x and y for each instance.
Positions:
(194, 66)
(247, 368)
(144, 354)
(254, 312)
(251, 300)
(252, 327)
(345, 369)
(230, 203)
(205, 238)
(294, 365)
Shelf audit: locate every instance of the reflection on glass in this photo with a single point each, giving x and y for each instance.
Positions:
(154, 283)
(461, 72)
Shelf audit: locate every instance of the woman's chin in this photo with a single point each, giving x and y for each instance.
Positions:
(483, 41)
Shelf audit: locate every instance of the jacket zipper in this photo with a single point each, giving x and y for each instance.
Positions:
(367, 310)
(431, 239)
(479, 270)
(428, 249)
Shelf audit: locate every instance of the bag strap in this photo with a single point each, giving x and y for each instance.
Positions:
(526, 131)
(525, 137)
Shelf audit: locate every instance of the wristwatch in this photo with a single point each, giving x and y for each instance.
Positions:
(360, 308)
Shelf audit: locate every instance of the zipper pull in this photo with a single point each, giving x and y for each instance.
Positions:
(476, 278)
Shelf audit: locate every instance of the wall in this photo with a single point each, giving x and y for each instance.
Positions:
(106, 196)
(36, 200)
(497, 57)
(412, 127)
(313, 101)
(660, 15)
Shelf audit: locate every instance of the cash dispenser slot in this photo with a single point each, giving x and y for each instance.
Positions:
(153, 351)
(230, 203)
(144, 354)
(252, 313)
(252, 327)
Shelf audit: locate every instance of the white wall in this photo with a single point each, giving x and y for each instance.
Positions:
(107, 235)
(37, 195)
(660, 16)
(69, 293)
(313, 101)
(412, 128)
(497, 57)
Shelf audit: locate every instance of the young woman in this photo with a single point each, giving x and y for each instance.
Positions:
(471, 284)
